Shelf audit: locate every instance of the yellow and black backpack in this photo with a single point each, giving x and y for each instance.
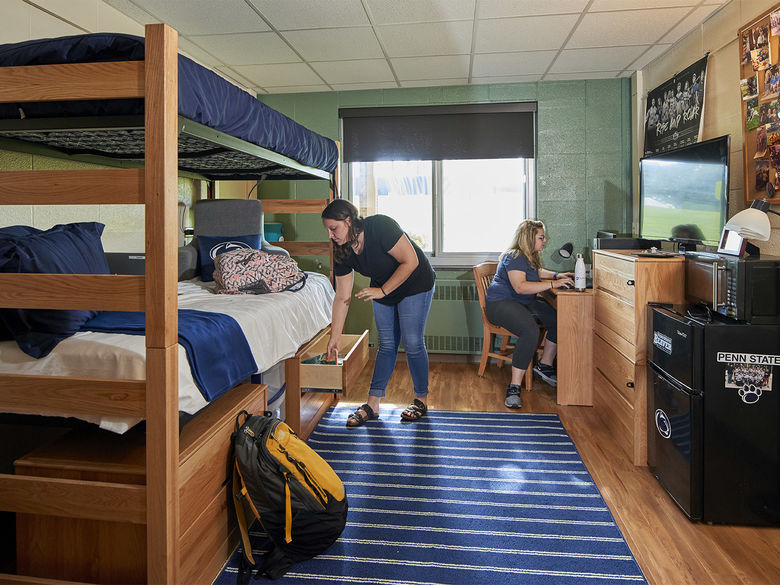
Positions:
(297, 497)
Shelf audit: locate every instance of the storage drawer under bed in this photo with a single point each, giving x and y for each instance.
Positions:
(353, 355)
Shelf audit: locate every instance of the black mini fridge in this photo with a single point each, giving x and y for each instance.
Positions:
(714, 415)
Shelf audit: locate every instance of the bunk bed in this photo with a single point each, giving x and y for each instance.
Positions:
(176, 496)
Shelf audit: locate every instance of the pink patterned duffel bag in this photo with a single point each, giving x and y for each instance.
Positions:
(256, 272)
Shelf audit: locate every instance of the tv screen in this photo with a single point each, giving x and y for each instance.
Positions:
(684, 193)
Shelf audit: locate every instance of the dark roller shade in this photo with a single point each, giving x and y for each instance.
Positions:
(481, 131)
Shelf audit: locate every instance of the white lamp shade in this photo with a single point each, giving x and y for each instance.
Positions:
(752, 224)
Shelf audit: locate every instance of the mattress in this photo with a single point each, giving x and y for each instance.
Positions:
(204, 97)
(275, 325)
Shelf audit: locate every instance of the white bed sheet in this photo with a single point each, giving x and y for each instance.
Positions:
(275, 325)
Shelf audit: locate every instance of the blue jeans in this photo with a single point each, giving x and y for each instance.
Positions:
(402, 322)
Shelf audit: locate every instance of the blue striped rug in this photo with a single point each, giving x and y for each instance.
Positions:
(463, 498)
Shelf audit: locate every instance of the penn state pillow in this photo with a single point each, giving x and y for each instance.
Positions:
(64, 249)
(209, 247)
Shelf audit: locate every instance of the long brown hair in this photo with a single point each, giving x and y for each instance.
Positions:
(524, 241)
(341, 209)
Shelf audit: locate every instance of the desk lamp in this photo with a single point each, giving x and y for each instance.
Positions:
(566, 250)
(753, 222)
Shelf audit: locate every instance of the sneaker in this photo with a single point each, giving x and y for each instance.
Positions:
(513, 396)
(546, 373)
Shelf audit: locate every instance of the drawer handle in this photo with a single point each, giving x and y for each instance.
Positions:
(629, 384)
(630, 282)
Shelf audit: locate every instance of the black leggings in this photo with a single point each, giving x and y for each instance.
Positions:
(523, 321)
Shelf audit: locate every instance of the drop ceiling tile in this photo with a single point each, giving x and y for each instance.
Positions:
(503, 64)
(690, 22)
(523, 34)
(43, 25)
(298, 89)
(509, 8)
(590, 60)
(414, 68)
(279, 74)
(627, 27)
(301, 14)
(335, 44)
(196, 53)
(358, 71)
(645, 58)
(132, 10)
(247, 48)
(407, 11)
(609, 5)
(201, 17)
(434, 82)
(109, 18)
(432, 38)
(82, 13)
(15, 24)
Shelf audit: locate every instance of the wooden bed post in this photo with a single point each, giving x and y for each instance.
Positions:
(161, 184)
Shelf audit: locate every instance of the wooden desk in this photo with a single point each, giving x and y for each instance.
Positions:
(575, 345)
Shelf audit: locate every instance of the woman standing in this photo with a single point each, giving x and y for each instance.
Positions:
(510, 301)
(401, 288)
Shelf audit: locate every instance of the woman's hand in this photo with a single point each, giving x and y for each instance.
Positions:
(370, 294)
(562, 275)
(333, 349)
(563, 280)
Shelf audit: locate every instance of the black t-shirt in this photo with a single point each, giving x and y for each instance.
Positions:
(380, 234)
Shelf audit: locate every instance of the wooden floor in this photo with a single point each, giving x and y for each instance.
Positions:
(670, 549)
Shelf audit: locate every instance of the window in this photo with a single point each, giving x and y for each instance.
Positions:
(455, 210)
(458, 179)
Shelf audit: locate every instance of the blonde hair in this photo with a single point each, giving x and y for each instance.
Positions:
(524, 241)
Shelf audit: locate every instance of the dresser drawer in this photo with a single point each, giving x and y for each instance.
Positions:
(615, 367)
(617, 276)
(616, 314)
(353, 350)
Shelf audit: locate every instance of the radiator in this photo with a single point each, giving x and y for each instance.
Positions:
(455, 321)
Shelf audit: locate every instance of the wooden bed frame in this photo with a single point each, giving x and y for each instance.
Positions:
(180, 501)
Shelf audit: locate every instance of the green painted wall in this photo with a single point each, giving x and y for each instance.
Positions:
(583, 171)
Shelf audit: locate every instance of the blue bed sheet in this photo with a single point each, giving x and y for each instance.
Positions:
(204, 97)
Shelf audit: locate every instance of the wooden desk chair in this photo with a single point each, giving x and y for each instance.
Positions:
(483, 276)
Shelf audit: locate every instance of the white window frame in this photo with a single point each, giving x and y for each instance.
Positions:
(465, 259)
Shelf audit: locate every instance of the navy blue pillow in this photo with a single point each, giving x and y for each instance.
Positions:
(13, 231)
(64, 249)
(209, 247)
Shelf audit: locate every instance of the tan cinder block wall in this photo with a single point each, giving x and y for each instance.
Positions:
(722, 105)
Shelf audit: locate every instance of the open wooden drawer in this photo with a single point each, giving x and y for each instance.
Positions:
(313, 388)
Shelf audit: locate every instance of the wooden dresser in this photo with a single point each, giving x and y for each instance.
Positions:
(623, 284)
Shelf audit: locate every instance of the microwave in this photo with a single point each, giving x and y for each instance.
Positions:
(745, 289)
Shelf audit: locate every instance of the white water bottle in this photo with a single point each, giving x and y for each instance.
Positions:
(579, 273)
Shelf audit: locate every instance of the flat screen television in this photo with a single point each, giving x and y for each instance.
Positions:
(684, 193)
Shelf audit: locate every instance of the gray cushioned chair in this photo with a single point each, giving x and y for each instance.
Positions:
(223, 217)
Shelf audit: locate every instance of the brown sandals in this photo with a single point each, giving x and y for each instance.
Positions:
(357, 418)
(414, 411)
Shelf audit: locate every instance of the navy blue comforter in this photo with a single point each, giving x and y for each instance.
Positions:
(204, 97)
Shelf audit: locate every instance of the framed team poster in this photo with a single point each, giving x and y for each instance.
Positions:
(675, 109)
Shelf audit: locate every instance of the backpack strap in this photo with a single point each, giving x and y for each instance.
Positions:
(239, 493)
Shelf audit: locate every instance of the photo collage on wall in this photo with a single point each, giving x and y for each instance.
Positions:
(760, 90)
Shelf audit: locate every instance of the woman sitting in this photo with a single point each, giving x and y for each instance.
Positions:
(511, 303)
